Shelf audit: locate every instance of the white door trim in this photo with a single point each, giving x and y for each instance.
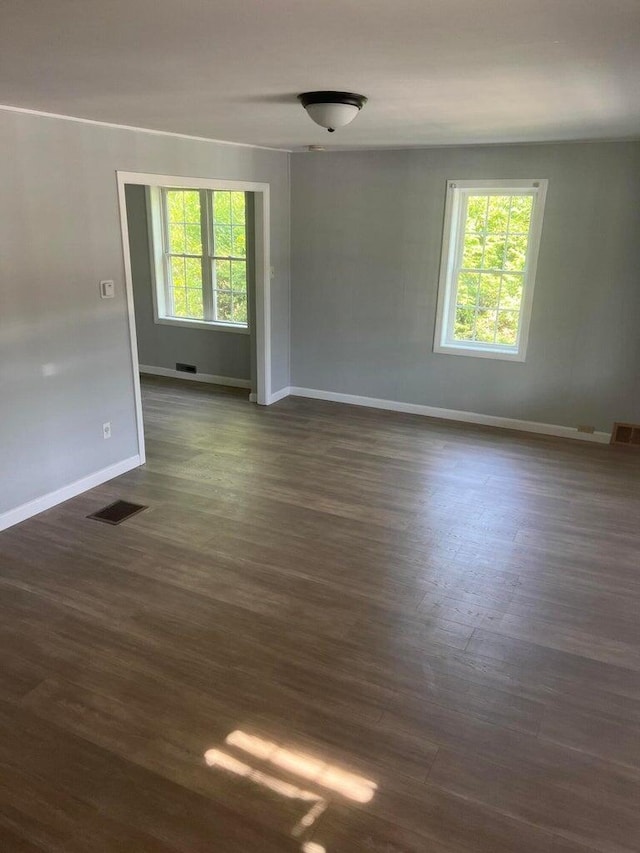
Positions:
(262, 274)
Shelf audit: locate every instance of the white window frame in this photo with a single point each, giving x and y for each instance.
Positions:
(455, 209)
(158, 242)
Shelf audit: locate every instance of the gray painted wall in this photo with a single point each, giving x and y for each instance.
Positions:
(366, 238)
(59, 235)
(159, 345)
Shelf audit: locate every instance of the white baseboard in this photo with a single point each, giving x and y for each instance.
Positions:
(279, 395)
(452, 415)
(253, 397)
(209, 378)
(21, 513)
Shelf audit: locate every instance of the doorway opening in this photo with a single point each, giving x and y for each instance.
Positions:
(197, 276)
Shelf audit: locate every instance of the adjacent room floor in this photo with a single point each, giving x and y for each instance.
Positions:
(333, 630)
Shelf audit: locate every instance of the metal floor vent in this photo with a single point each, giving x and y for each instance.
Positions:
(626, 434)
(117, 512)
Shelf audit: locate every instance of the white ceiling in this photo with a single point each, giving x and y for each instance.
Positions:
(436, 71)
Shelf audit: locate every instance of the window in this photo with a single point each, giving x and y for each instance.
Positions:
(200, 249)
(490, 247)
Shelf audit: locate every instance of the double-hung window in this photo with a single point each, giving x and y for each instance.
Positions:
(487, 274)
(200, 249)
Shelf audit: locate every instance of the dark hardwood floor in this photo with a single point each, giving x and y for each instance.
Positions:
(334, 629)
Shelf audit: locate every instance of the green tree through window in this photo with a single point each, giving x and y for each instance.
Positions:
(490, 276)
(206, 255)
(490, 246)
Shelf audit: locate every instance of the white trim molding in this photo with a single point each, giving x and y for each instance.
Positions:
(280, 395)
(205, 325)
(61, 117)
(38, 505)
(452, 415)
(209, 378)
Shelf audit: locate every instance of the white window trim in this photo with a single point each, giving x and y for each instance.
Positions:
(158, 244)
(452, 225)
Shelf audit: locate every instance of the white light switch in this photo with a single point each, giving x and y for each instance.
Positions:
(107, 289)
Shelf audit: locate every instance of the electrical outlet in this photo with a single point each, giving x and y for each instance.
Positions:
(106, 430)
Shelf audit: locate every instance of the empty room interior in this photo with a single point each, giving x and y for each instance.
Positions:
(320, 426)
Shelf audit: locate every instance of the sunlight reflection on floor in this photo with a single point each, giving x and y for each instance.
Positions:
(328, 776)
(314, 771)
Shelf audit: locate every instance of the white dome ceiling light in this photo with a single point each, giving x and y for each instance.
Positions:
(332, 109)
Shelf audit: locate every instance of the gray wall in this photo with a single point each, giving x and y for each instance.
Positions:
(366, 237)
(59, 235)
(160, 345)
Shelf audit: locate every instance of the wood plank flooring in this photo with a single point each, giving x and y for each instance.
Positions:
(334, 630)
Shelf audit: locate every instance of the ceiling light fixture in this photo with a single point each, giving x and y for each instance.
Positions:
(332, 109)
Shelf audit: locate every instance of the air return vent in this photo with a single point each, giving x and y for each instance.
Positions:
(186, 368)
(626, 434)
(117, 512)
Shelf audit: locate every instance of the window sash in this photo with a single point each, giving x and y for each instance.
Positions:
(461, 233)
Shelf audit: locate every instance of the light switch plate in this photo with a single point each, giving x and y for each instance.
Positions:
(107, 289)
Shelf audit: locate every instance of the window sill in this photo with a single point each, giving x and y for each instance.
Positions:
(203, 324)
(479, 352)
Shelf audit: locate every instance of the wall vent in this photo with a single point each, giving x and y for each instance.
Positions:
(186, 368)
(626, 434)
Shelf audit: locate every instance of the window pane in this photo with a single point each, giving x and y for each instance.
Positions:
(222, 275)
(239, 249)
(194, 304)
(464, 324)
(511, 292)
(193, 272)
(224, 305)
(238, 208)
(221, 208)
(489, 291)
(239, 276)
(485, 326)
(494, 253)
(177, 272)
(183, 214)
(239, 308)
(193, 240)
(516, 252)
(476, 212)
(472, 251)
(177, 241)
(175, 205)
(192, 206)
(521, 207)
(498, 213)
(222, 240)
(507, 327)
(468, 284)
(179, 302)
